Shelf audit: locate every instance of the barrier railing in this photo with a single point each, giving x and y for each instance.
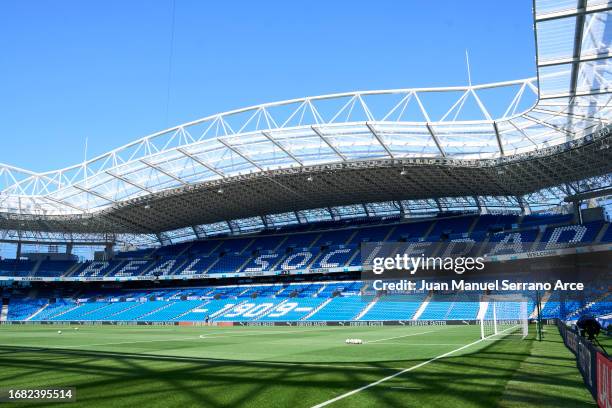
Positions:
(594, 365)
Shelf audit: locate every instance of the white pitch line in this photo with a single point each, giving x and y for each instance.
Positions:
(259, 333)
(202, 337)
(125, 342)
(399, 337)
(419, 344)
(365, 387)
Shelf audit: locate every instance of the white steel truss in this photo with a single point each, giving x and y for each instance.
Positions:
(567, 100)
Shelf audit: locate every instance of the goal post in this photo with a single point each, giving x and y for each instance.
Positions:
(504, 315)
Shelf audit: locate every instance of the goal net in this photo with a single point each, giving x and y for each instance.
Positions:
(502, 316)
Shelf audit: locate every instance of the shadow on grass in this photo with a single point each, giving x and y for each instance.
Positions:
(475, 379)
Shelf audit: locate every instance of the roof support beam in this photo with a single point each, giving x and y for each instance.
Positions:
(85, 190)
(575, 103)
(280, 146)
(499, 142)
(373, 131)
(548, 125)
(435, 139)
(365, 208)
(522, 132)
(522, 204)
(574, 60)
(63, 203)
(604, 91)
(322, 137)
(239, 153)
(128, 181)
(577, 47)
(201, 162)
(574, 115)
(437, 200)
(581, 10)
(159, 169)
(196, 232)
(400, 207)
(478, 203)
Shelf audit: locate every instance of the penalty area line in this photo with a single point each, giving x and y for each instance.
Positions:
(399, 337)
(382, 380)
(365, 387)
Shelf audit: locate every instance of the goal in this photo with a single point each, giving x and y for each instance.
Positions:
(504, 315)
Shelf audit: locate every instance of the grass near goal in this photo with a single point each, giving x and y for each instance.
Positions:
(302, 367)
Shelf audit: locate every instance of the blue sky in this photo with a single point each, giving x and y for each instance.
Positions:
(73, 69)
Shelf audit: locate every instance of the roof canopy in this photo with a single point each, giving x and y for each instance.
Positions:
(472, 126)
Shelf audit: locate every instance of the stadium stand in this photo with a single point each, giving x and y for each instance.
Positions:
(308, 249)
(322, 249)
(315, 302)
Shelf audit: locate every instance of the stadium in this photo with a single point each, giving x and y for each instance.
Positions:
(234, 254)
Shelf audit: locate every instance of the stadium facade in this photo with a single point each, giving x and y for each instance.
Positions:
(257, 215)
(337, 153)
(269, 215)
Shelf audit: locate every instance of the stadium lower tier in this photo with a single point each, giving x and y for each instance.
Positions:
(335, 301)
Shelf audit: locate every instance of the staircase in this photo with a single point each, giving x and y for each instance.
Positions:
(472, 226)
(179, 266)
(151, 266)
(367, 308)
(423, 306)
(225, 309)
(185, 249)
(601, 233)
(35, 268)
(61, 314)
(601, 298)
(274, 307)
(244, 291)
(156, 310)
(117, 268)
(355, 255)
(543, 300)
(321, 289)
(244, 264)
(72, 269)
(122, 310)
(190, 310)
(350, 238)
(246, 247)
(537, 240)
(316, 309)
(430, 229)
(4, 313)
(35, 313)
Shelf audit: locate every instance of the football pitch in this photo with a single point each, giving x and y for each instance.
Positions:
(396, 366)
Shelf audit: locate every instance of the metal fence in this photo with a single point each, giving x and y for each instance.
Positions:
(594, 365)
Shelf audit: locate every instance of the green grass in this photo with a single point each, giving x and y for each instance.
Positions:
(553, 366)
(605, 341)
(157, 366)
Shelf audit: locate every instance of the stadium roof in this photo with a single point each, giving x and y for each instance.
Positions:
(512, 139)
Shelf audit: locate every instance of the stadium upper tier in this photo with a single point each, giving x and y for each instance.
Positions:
(332, 248)
(502, 139)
